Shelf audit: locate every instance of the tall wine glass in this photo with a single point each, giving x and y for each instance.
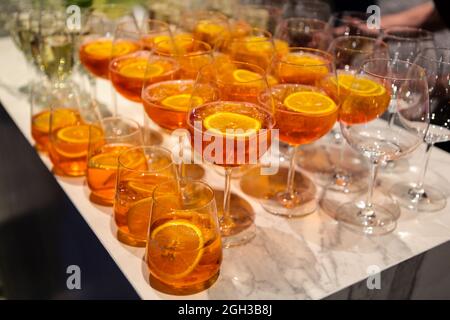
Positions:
(52, 44)
(231, 130)
(254, 46)
(406, 42)
(166, 97)
(206, 26)
(95, 48)
(304, 32)
(418, 195)
(304, 112)
(349, 53)
(364, 128)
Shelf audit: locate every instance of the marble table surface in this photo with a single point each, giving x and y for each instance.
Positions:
(308, 258)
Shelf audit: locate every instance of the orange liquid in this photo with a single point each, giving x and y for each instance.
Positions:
(95, 55)
(191, 65)
(180, 271)
(210, 32)
(288, 71)
(357, 108)
(39, 131)
(298, 128)
(128, 80)
(101, 173)
(257, 52)
(132, 206)
(165, 116)
(68, 151)
(361, 109)
(250, 147)
(232, 89)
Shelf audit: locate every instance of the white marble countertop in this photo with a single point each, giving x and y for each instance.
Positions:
(307, 258)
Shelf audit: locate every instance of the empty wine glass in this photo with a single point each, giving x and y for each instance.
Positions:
(405, 42)
(418, 195)
(364, 128)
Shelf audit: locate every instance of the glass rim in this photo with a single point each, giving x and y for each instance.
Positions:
(322, 53)
(209, 51)
(314, 20)
(390, 61)
(265, 36)
(156, 21)
(251, 66)
(186, 180)
(121, 28)
(419, 54)
(258, 105)
(156, 84)
(349, 37)
(124, 120)
(428, 35)
(145, 147)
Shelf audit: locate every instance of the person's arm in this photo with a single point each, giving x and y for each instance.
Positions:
(414, 17)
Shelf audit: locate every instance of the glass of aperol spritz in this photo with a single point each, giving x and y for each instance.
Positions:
(184, 249)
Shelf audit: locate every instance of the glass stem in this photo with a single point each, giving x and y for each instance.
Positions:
(418, 188)
(291, 175)
(180, 155)
(368, 211)
(93, 85)
(146, 129)
(114, 100)
(227, 194)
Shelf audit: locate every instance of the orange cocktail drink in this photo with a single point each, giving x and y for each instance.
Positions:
(129, 72)
(118, 134)
(242, 128)
(69, 141)
(140, 170)
(96, 54)
(184, 249)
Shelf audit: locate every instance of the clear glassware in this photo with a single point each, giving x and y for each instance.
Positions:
(365, 128)
(304, 112)
(184, 248)
(225, 109)
(315, 9)
(304, 32)
(406, 42)
(418, 195)
(116, 135)
(349, 53)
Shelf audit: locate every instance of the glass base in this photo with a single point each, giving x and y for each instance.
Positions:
(290, 205)
(346, 183)
(163, 287)
(238, 227)
(102, 201)
(347, 175)
(430, 200)
(380, 219)
(130, 240)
